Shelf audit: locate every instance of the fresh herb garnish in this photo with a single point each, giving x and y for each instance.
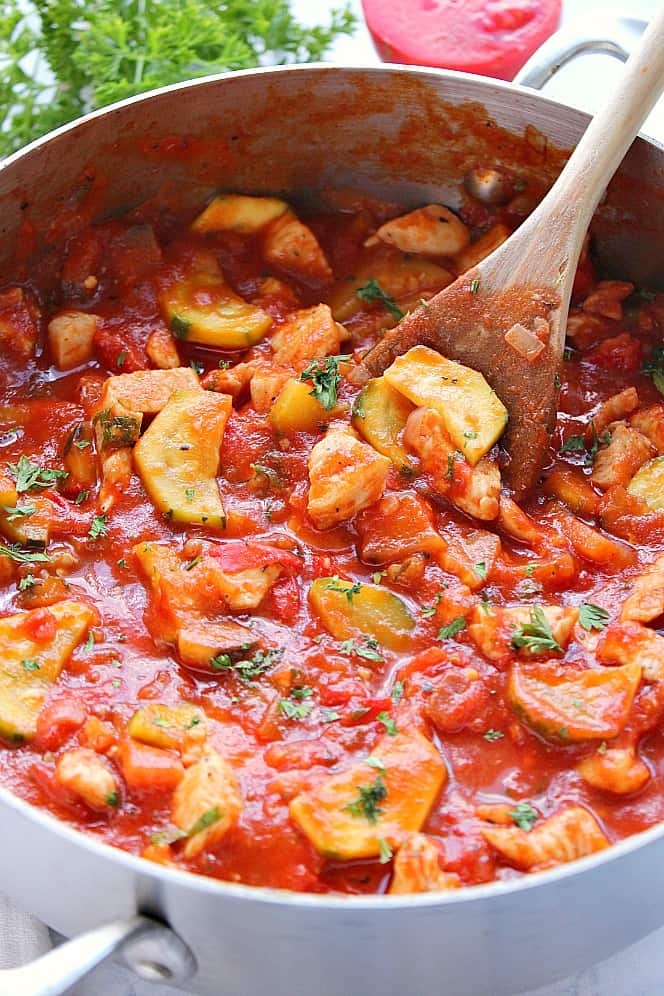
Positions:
(336, 584)
(299, 709)
(27, 582)
(30, 475)
(493, 735)
(18, 513)
(655, 368)
(368, 802)
(16, 553)
(209, 817)
(112, 799)
(246, 670)
(375, 762)
(474, 285)
(397, 691)
(593, 616)
(372, 292)
(325, 377)
(30, 664)
(121, 358)
(386, 720)
(268, 473)
(480, 570)
(329, 715)
(192, 563)
(452, 628)
(99, 528)
(368, 652)
(536, 635)
(81, 497)
(384, 851)
(524, 816)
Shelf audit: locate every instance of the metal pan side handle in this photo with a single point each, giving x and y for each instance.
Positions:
(152, 950)
(584, 36)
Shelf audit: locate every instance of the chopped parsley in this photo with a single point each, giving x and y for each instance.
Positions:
(18, 513)
(397, 691)
(325, 377)
(245, 670)
(329, 715)
(384, 851)
(121, 358)
(378, 576)
(268, 473)
(524, 816)
(30, 664)
(29, 475)
(386, 720)
(347, 588)
(368, 652)
(368, 801)
(593, 616)
(180, 327)
(474, 285)
(27, 582)
(450, 631)
(375, 762)
(197, 367)
(654, 368)
(112, 799)
(480, 570)
(577, 444)
(20, 556)
(99, 528)
(192, 563)
(493, 735)
(81, 497)
(372, 292)
(299, 709)
(209, 817)
(536, 635)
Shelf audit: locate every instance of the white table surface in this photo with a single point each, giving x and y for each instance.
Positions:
(639, 971)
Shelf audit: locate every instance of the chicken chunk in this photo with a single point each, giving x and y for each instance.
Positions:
(631, 641)
(146, 391)
(493, 627)
(206, 803)
(607, 297)
(306, 335)
(232, 380)
(291, 245)
(267, 382)
(617, 770)
(475, 490)
(619, 461)
(616, 407)
(650, 422)
(116, 471)
(19, 321)
(417, 868)
(161, 350)
(647, 599)
(431, 231)
(70, 338)
(345, 476)
(89, 777)
(567, 835)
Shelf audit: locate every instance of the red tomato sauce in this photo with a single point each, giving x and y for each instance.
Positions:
(298, 705)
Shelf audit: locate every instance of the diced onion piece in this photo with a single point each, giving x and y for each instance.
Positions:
(524, 342)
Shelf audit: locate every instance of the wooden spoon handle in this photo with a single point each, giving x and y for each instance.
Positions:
(563, 217)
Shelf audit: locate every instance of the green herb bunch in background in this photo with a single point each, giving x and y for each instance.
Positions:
(61, 58)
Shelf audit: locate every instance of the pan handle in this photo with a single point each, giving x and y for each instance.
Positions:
(152, 950)
(585, 35)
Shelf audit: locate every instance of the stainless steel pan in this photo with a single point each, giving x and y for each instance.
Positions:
(406, 134)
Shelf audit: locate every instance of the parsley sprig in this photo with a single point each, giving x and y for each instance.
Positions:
(92, 52)
(536, 635)
(655, 368)
(324, 375)
(29, 475)
(372, 292)
(368, 801)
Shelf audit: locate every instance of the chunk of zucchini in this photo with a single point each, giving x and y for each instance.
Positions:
(238, 213)
(407, 776)
(170, 727)
(178, 457)
(30, 665)
(648, 484)
(349, 611)
(380, 414)
(296, 410)
(564, 708)
(201, 307)
(473, 415)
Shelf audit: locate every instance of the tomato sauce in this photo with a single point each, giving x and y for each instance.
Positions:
(301, 703)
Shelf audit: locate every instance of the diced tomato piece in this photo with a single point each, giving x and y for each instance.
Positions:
(493, 39)
(41, 625)
(97, 735)
(620, 352)
(149, 767)
(457, 700)
(285, 598)
(236, 555)
(57, 720)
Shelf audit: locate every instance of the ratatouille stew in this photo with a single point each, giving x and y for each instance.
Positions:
(271, 625)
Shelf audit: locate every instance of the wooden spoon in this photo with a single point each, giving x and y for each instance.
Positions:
(507, 316)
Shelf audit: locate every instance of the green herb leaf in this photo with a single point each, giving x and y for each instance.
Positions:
(389, 724)
(372, 292)
(575, 444)
(524, 816)
(536, 635)
(593, 616)
(209, 817)
(344, 587)
(27, 582)
(18, 513)
(397, 691)
(294, 710)
(368, 652)
(30, 664)
(450, 631)
(329, 715)
(385, 851)
(493, 735)
(81, 497)
(324, 375)
(375, 762)
(98, 529)
(21, 556)
(367, 804)
(480, 570)
(474, 285)
(30, 475)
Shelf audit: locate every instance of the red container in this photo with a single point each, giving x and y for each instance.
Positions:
(488, 37)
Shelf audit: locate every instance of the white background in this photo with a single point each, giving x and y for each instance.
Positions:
(640, 970)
